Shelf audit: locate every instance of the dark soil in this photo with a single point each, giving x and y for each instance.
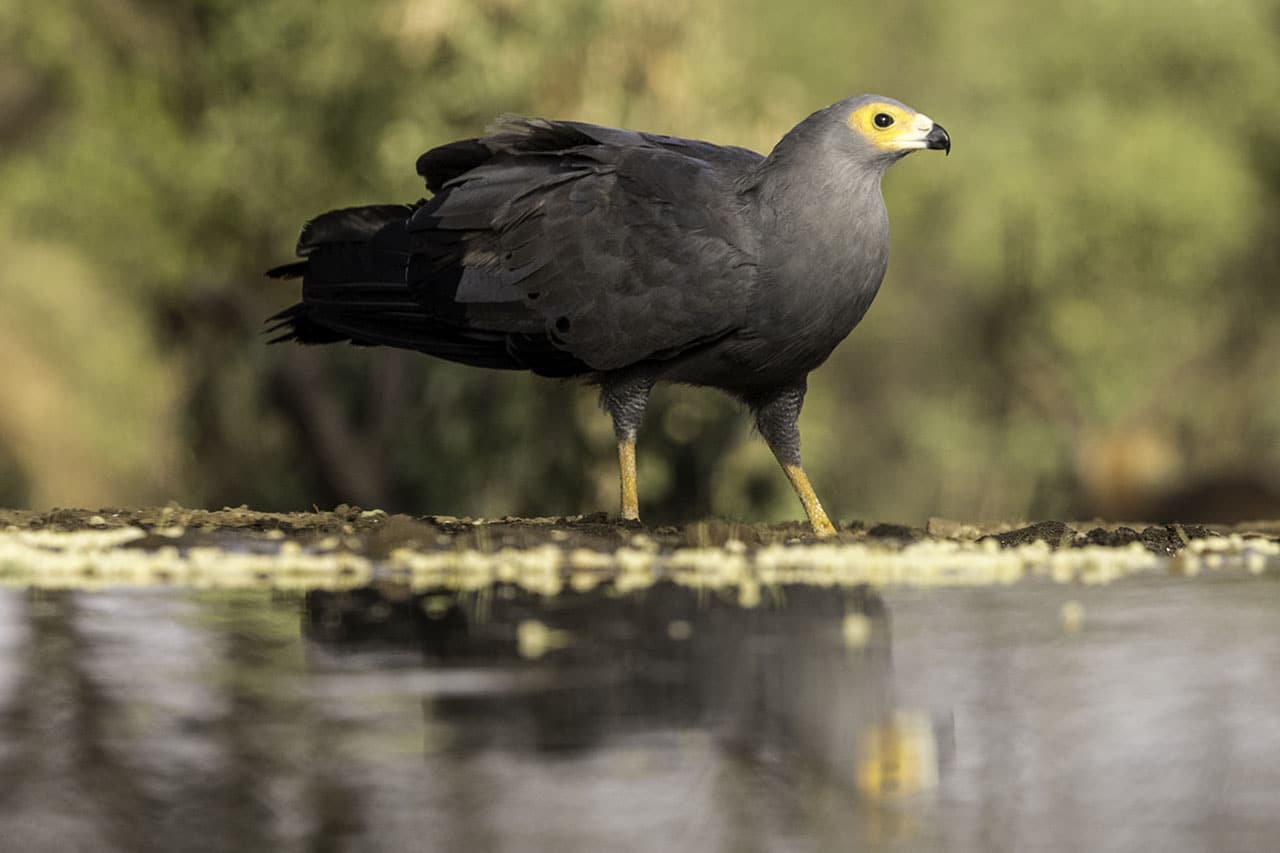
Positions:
(377, 534)
(1158, 538)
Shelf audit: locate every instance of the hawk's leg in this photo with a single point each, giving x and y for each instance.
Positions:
(624, 398)
(777, 417)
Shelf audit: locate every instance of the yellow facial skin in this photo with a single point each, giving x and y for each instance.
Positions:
(908, 131)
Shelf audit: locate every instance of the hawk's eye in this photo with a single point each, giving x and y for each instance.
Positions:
(883, 120)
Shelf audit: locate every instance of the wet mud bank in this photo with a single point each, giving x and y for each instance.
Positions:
(379, 533)
(348, 547)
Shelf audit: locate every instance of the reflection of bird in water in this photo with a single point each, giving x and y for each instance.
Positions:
(898, 756)
(625, 258)
(567, 671)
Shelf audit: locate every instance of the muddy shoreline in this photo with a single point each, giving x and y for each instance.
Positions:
(376, 533)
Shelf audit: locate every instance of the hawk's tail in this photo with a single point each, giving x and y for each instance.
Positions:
(352, 267)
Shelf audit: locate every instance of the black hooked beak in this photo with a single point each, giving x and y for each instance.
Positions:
(938, 138)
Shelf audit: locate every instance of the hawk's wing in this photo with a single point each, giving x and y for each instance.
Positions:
(555, 246)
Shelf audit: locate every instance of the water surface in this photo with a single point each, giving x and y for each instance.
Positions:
(1035, 716)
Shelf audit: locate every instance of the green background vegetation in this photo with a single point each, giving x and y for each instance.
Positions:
(1078, 316)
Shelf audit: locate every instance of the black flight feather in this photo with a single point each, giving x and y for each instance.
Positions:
(557, 247)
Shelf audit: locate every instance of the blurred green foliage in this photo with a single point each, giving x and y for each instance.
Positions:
(1077, 302)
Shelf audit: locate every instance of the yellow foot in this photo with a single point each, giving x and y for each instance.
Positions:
(822, 526)
(627, 477)
(818, 520)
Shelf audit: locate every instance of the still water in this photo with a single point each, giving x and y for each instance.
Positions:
(1143, 715)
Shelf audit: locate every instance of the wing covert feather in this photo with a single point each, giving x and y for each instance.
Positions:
(620, 247)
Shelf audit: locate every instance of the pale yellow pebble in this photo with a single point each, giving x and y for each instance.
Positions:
(583, 581)
(585, 558)
(643, 542)
(1184, 563)
(1071, 616)
(534, 639)
(679, 629)
(856, 630)
(633, 559)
